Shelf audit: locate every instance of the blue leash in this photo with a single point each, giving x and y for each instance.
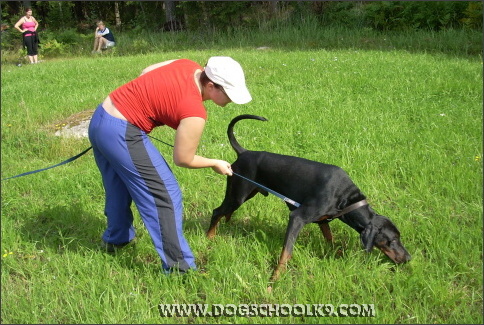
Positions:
(279, 195)
(62, 163)
(65, 162)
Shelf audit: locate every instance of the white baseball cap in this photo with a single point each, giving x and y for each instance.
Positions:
(228, 73)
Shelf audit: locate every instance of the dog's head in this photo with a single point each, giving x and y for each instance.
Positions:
(382, 233)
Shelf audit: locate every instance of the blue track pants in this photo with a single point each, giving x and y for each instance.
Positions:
(133, 169)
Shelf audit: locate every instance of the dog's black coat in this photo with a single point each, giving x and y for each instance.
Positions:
(322, 190)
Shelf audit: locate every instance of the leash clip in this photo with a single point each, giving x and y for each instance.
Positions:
(288, 200)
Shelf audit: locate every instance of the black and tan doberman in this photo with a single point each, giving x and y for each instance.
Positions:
(325, 192)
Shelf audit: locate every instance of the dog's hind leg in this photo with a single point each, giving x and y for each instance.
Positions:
(231, 203)
(212, 230)
(250, 196)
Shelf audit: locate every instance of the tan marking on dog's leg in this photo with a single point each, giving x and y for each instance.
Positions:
(281, 266)
(212, 231)
(326, 231)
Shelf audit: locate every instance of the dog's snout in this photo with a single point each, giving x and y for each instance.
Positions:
(408, 258)
(398, 256)
(403, 260)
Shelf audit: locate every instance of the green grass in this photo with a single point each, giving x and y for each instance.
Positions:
(407, 127)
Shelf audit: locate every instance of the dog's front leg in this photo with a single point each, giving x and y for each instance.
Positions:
(295, 225)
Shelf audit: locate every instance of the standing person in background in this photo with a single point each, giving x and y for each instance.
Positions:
(103, 38)
(169, 93)
(30, 38)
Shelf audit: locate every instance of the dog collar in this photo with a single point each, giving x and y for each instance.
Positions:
(346, 210)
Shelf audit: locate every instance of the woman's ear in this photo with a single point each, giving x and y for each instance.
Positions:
(210, 85)
(209, 88)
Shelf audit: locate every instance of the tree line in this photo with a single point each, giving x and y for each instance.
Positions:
(160, 16)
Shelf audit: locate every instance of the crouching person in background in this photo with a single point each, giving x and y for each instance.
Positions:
(103, 38)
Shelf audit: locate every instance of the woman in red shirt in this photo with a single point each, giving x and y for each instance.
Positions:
(169, 93)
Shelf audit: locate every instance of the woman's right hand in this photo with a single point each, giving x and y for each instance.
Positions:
(222, 167)
(187, 138)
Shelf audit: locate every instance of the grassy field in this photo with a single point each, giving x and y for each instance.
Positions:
(407, 127)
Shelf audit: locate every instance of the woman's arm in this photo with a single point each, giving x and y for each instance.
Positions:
(17, 25)
(36, 23)
(187, 139)
(154, 66)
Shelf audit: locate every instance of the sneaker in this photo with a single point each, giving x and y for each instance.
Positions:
(112, 248)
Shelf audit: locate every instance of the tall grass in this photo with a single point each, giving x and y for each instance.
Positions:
(407, 127)
(306, 34)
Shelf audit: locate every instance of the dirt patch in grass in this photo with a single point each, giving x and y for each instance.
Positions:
(75, 125)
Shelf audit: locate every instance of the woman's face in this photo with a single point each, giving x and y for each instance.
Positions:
(28, 13)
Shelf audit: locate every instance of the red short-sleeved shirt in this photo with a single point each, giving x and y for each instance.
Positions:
(163, 96)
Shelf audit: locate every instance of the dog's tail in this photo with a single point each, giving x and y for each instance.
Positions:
(230, 131)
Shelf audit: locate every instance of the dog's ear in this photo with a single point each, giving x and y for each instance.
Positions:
(368, 237)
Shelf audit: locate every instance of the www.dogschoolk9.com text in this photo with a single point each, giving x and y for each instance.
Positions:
(266, 310)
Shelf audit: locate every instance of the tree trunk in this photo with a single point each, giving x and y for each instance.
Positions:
(116, 14)
(169, 10)
(170, 18)
(274, 8)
